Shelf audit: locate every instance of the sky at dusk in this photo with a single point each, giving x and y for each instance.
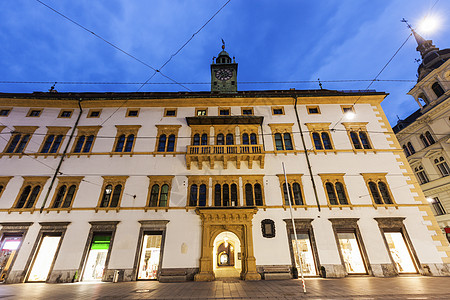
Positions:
(273, 41)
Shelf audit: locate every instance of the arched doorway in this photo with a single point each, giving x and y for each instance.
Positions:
(227, 255)
(218, 223)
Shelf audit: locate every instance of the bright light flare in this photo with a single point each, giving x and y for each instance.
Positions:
(430, 200)
(429, 24)
(350, 115)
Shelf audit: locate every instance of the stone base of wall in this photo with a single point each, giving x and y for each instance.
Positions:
(177, 274)
(124, 275)
(383, 270)
(436, 269)
(16, 277)
(335, 271)
(275, 272)
(63, 276)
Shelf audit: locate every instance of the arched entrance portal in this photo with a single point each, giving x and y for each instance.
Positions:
(227, 255)
(221, 223)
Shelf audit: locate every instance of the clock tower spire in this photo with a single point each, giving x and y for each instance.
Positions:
(223, 73)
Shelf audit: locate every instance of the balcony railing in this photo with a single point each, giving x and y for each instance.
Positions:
(225, 149)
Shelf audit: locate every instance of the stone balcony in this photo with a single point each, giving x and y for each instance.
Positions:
(224, 154)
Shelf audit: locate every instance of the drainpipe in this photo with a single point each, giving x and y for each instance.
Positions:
(62, 157)
(306, 153)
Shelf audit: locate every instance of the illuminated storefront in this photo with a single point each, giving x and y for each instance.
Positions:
(400, 253)
(96, 261)
(150, 256)
(44, 258)
(8, 250)
(351, 253)
(304, 245)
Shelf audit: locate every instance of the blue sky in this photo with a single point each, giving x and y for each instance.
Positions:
(272, 41)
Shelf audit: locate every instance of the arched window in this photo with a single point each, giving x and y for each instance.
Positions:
(249, 194)
(411, 148)
(317, 141)
(220, 139)
(79, 144)
(69, 196)
(88, 144)
(33, 196)
(23, 197)
(285, 193)
(13, 144)
(424, 141)
(258, 194)
(164, 195)
(217, 195)
(430, 138)
(355, 140)
(204, 139)
(421, 175)
(120, 143)
(162, 143)
(226, 195)
(171, 143)
(253, 139)
(230, 139)
(23, 142)
(106, 196)
(129, 144)
(384, 192)
(405, 149)
(364, 140)
(442, 166)
(287, 141)
(48, 143)
(326, 140)
(56, 144)
(297, 191)
(154, 196)
(375, 193)
(245, 139)
(193, 195)
(116, 196)
(196, 141)
(202, 195)
(423, 98)
(234, 197)
(437, 89)
(278, 141)
(341, 193)
(59, 196)
(331, 193)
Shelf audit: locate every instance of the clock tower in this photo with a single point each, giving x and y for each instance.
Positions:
(224, 73)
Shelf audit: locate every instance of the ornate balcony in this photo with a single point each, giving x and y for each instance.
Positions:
(225, 153)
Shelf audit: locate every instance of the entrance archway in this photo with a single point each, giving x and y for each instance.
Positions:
(218, 223)
(227, 255)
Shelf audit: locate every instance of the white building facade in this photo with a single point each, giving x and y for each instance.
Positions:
(190, 186)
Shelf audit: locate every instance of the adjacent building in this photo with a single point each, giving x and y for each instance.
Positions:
(425, 134)
(191, 186)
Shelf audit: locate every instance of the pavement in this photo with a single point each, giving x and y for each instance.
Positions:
(361, 288)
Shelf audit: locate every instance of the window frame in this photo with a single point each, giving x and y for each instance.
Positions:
(436, 202)
(198, 181)
(311, 107)
(220, 109)
(166, 110)
(292, 178)
(282, 128)
(319, 129)
(166, 130)
(68, 181)
(247, 108)
(253, 180)
(441, 165)
(33, 182)
(92, 111)
(32, 110)
(4, 180)
(273, 108)
(9, 109)
(55, 131)
(159, 180)
(22, 131)
(377, 178)
(423, 177)
(357, 128)
(85, 131)
(129, 110)
(114, 181)
(333, 179)
(62, 111)
(197, 109)
(127, 131)
(345, 108)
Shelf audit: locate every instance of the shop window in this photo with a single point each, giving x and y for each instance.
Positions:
(44, 258)
(34, 112)
(201, 112)
(85, 139)
(167, 137)
(9, 246)
(132, 112)
(351, 253)
(4, 112)
(421, 175)
(277, 110)
(64, 113)
(400, 253)
(159, 191)
(442, 166)
(96, 261)
(94, 113)
(410, 148)
(170, 112)
(150, 256)
(125, 139)
(313, 110)
(437, 89)
(305, 248)
(437, 206)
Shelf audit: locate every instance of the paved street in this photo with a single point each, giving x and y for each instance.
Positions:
(363, 288)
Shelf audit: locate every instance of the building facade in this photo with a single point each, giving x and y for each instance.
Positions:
(190, 186)
(425, 135)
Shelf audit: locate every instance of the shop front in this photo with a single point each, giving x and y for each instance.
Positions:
(149, 260)
(96, 261)
(9, 246)
(44, 259)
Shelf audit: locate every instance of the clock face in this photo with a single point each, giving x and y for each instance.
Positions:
(224, 74)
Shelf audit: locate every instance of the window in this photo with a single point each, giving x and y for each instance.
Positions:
(253, 194)
(3, 182)
(427, 139)
(251, 139)
(420, 174)
(20, 138)
(200, 138)
(282, 136)
(167, 136)
(225, 189)
(320, 135)
(159, 191)
(53, 140)
(358, 135)
(335, 189)
(378, 188)
(278, 110)
(201, 112)
(229, 139)
(437, 89)
(294, 187)
(30, 191)
(170, 112)
(65, 113)
(126, 135)
(197, 195)
(410, 148)
(4, 112)
(112, 191)
(442, 166)
(132, 112)
(313, 110)
(347, 109)
(437, 206)
(224, 112)
(33, 112)
(85, 139)
(406, 150)
(423, 98)
(65, 192)
(94, 113)
(247, 111)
